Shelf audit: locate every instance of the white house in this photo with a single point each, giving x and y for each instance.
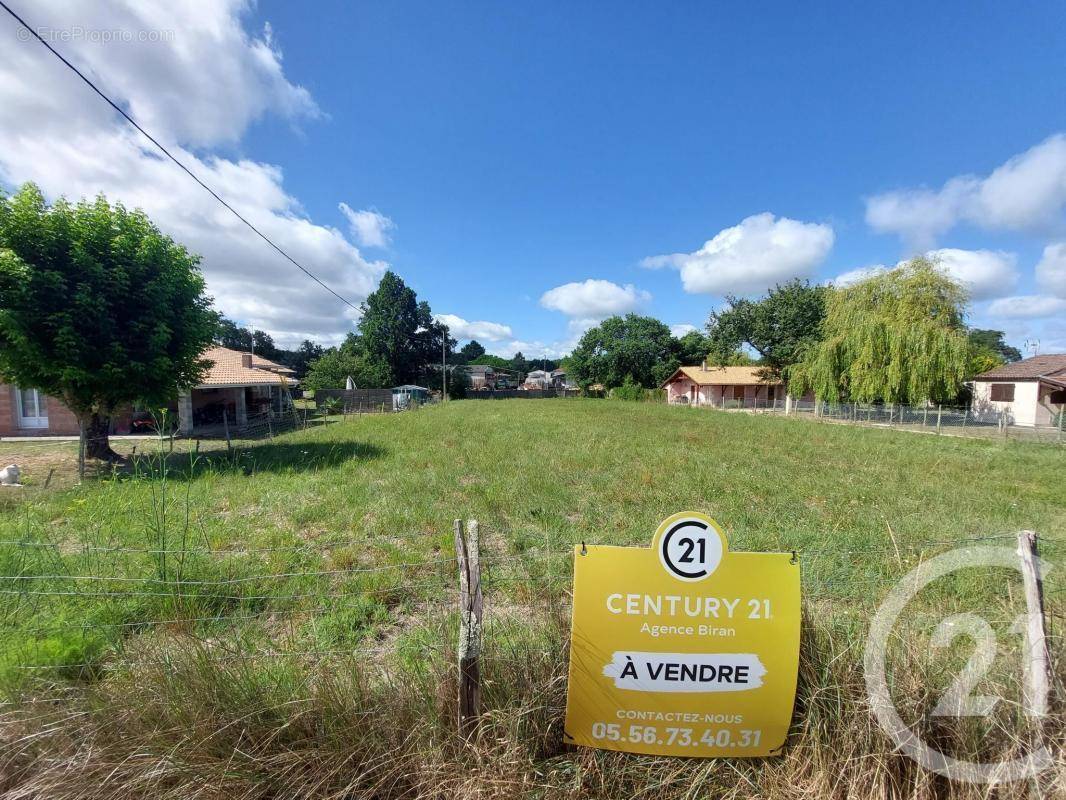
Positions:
(1029, 392)
(538, 379)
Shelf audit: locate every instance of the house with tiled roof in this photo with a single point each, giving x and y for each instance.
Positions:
(1030, 392)
(745, 387)
(236, 385)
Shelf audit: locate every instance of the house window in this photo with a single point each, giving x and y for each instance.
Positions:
(738, 392)
(32, 408)
(1002, 393)
(770, 394)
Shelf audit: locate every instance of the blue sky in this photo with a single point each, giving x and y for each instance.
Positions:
(517, 148)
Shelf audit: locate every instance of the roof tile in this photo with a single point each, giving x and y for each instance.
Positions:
(728, 376)
(227, 369)
(1028, 369)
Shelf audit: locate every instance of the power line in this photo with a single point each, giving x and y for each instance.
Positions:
(167, 153)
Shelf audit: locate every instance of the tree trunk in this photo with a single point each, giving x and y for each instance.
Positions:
(95, 428)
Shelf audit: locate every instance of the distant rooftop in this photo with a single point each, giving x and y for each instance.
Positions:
(1052, 365)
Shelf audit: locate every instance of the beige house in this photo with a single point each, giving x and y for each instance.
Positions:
(728, 387)
(236, 386)
(1031, 392)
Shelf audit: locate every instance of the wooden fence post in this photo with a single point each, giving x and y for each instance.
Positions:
(81, 452)
(470, 608)
(1039, 660)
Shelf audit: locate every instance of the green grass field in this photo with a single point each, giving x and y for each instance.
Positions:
(278, 621)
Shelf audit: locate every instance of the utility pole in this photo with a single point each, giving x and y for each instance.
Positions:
(444, 365)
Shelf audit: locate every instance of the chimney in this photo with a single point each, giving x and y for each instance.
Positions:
(703, 366)
(246, 360)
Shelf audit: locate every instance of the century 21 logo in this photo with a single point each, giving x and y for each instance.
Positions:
(690, 546)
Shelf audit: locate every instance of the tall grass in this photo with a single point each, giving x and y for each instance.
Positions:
(280, 689)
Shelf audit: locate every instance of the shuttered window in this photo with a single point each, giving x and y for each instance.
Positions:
(1002, 393)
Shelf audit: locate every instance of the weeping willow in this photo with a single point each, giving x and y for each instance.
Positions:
(896, 337)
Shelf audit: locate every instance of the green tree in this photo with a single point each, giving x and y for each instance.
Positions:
(496, 362)
(897, 337)
(232, 335)
(692, 348)
(400, 338)
(634, 347)
(332, 369)
(470, 351)
(97, 308)
(990, 340)
(263, 345)
(520, 365)
(300, 358)
(780, 327)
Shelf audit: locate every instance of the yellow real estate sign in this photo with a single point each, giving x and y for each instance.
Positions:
(684, 649)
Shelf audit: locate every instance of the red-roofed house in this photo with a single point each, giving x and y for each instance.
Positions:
(237, 384)
(1029, 392)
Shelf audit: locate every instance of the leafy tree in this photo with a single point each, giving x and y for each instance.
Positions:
(980, 358)
(332, 369)
(300, 358)
(992, 341)
(400, 338)
(97, 308)
(780, 327)
(263, 345)
(232, 335)
(634, 347)
(470, 351)
(496, 362)
(520, 365)
(692, 348)
(896, 337)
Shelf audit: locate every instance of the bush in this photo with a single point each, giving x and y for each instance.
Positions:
(636, 393)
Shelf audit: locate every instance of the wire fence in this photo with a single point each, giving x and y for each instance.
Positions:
(79, 610)
(1049, 426)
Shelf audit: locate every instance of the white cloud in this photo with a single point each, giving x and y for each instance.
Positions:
(533, 350)
(369, 227)
(593, 300)
(856, 275)
(199, 88)
(752, 256)
(983, 273)
(1051, 269)
(459, 328)
(1032, 306)
(1028, 192)
(680, 329)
